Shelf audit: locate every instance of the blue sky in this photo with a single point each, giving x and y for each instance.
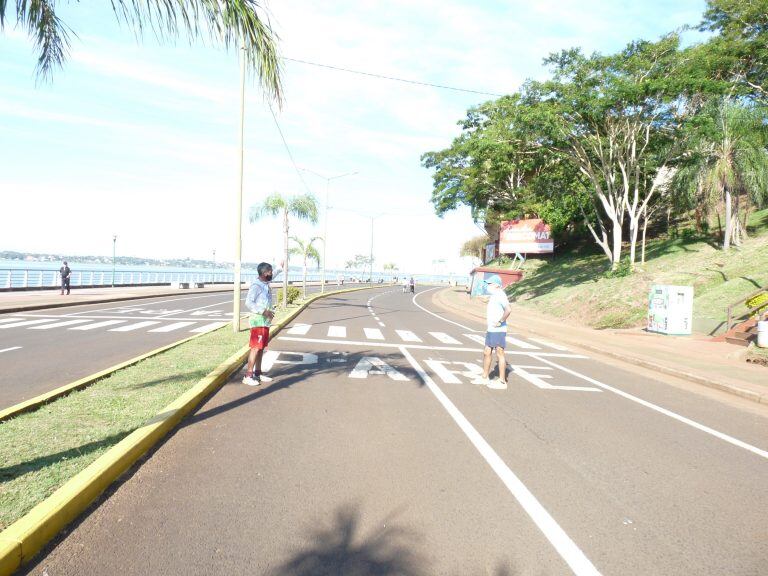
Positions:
(138, 139)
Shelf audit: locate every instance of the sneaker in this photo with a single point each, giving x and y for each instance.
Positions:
(262, 378)
(250, 381)
(481, 381)
(497, 385)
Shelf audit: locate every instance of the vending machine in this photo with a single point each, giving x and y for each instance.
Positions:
(670, 309)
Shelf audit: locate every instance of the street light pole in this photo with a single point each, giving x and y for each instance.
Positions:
(325, 233)
(114, 245)
(239, 210)
(370, 277)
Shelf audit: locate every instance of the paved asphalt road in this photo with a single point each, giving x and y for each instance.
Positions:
(43, 349)
(373, 453)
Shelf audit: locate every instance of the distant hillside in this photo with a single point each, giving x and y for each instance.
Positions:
(577, 286)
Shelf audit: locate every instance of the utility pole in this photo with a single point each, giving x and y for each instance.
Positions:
(371, 274)
(239, 210)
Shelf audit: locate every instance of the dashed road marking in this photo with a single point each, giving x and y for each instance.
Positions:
(98, 325)
(136, 326)
(24, 323)
(337, 331)
(207, 327)
(58, 324)
(444, 338)
(373, 333)
(408, 336)
(299, 329)
(172, 327)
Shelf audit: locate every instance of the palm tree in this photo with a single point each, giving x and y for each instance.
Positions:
(308, 252)
(303, 207)
(391, 266)
(728, 160)
(231, 22)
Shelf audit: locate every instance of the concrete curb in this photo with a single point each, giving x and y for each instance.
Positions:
(761, 398)
(38, 401)
(27, 536)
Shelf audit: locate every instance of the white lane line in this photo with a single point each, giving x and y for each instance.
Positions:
(444, 338)
(373, 333)
(172, 327)
(98, 325)
(521, 344)
(424, 347)
(678, 417)
(25, 323)
(136, 326)
(299, 329)
(58, 324)
(9, 349)
(337, 331)
(548, 343)
(408, 336)
(436, 315)
(209, 327)
(566, 547)
(382, 324)
(4, 320)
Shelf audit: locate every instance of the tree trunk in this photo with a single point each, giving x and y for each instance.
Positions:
(634, 225)
(285, 272)
(728, 221)
(616, 252)
(645, 227)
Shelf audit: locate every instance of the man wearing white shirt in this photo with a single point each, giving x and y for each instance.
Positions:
(259, 302)
(497, 312)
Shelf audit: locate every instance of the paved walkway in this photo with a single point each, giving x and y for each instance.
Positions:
(694, 358)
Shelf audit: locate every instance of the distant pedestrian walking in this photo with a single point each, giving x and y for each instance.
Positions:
(259, 302)
(405, 284)
(497, 312)
(65, 273)
(412, 285)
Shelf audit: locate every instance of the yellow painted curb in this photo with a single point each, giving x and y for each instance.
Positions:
(24, 538)
(37, 401)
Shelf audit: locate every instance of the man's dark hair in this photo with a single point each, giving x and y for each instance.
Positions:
(263, 267)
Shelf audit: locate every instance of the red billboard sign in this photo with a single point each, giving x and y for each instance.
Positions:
(530, 236)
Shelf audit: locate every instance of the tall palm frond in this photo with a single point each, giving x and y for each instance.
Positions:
(230, 22)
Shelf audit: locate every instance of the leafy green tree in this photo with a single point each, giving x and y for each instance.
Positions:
(615, 118)
(727, 162)
(303, 207)
(230, 22)
(475, 247)
(307, 252)
(738, 54)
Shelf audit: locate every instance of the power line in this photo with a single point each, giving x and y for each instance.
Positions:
(383, 77)
(287, 149)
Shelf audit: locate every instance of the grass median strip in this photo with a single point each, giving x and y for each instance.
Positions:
(41, 450)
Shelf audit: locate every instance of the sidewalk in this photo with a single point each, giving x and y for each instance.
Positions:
(694, 358)
(25, 300)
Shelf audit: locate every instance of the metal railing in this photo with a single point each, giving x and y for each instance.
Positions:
(31, 278)
(748, 312)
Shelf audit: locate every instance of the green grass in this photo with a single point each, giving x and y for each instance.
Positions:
(41, 450)
(577, 285)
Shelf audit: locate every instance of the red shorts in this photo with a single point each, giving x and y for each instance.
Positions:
(259, 337)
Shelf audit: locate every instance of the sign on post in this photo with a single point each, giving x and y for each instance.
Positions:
(531, 236)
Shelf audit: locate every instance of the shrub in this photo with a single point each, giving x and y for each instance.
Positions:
(759, 303)
(294, 293)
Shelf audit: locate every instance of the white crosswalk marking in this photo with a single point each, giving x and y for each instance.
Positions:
(59, 324)
(337, 331)
(98, 325)
(476, 337)
(299, 329)
(132, 327)
(10, 320)
(206, 327)
(26, 323)
(373, 334)
(520, 344)
(550, 344)
(408, 336)
(444, 338)
(172, 327)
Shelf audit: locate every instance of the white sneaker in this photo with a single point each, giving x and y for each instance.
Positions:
(481, 381)
(250, 381)
(263, 378)
(497, 385)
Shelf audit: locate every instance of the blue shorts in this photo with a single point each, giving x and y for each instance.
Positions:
(496, 339)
